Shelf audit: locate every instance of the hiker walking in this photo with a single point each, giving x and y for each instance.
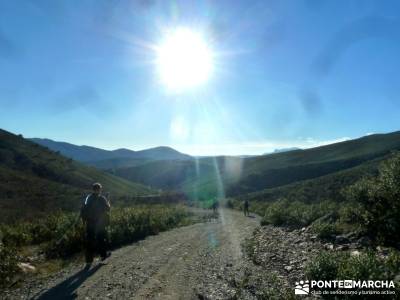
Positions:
(246, 207)
(95, 217)
(214, 206)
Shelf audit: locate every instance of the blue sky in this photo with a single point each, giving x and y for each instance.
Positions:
(287, 73)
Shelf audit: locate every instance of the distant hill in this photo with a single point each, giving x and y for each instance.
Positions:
(208, 177)
(279, 169)
(327, 187)
(232, 176)
(285, 150)
(35, 180)
(166, 174)
(110, 159)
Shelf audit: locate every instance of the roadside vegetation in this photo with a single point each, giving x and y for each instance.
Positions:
(370, 207)
(369, 212)
(61, 235)
(363, 266)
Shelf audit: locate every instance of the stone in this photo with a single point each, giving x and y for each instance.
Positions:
(288, 268)
(340, 239)
(342, 247)
(26, 267)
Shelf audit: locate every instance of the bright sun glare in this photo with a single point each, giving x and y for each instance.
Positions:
(184, 59)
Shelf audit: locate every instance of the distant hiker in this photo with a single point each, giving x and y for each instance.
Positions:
(215, 206)
(95, 216)
(246, 207)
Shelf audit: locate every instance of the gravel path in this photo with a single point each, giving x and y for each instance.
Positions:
(201, 261)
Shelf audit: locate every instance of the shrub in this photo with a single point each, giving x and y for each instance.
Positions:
(363, 267)
(126, 226)
(380, 201)
(8, 265)
(68, 238)
(39, 231)
(15, 236)
(324, 230)
(341, 265)
(296, 214)
(62, 234)
(324, 267)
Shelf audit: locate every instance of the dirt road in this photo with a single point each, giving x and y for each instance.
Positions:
(199, 261)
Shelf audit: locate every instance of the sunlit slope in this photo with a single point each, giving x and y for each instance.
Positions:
(284, 168)
(203, 178)
(364, 148)
(166, 174)
(327, 187)
(35, 179)
(199, 178)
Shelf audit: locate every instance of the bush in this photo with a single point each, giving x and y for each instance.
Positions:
(341, 265)
(62, 234)
(296, 214)
(42, 230)
(363, 267)
(380, 201)
(324, 230)
(324, 267)
(68, 238)
(15, 236)
(8, 265)
(126, 226)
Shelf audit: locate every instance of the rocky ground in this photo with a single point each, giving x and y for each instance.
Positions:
(229, 257)
(192, 262)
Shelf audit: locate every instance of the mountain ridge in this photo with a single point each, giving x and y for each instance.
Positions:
(40, 180)
(231, 176)
(91, 155)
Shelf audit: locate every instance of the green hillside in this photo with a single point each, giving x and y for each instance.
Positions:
(284, 168)
(117, 163)
(318, 189)
(35, 180)
(232, 176)
(108, 158)
(366, 147)
(166, 174)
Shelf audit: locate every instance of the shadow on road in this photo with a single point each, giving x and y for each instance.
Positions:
(67, 288)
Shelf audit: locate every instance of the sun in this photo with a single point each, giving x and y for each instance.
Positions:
(184, 59)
